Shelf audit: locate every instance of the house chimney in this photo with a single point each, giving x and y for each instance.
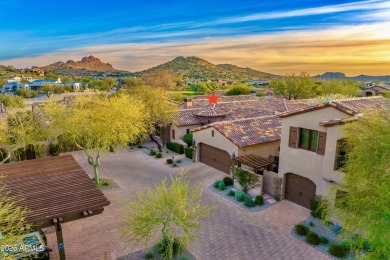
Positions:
(187, 102)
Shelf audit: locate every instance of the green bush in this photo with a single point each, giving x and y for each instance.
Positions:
(228, 181)
(248, 201)
(312, 238)
(317, 207)
(175, 147)
(323, 240)
(178, 161)
(259, 200)
(20, 154)
(221, 185)
(148, 255)
(239, 90)
(260, 94)
(152, 152)
(337, 250)
(162, 247)
(240, 196)
(301, 230)
(54, 149)
(188, 152)
(169, 161)
(158, 155)
(311, 224)
(3, 155)
(140, 146)
(231, 193)
(216, 184)
(188, 139)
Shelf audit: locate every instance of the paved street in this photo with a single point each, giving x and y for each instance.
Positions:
(229, 233)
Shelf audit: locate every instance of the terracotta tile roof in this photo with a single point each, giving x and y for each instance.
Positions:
(339, 121)
(297, 104)
(260, 106)
(351, 106)
(202, 101)
(249, 131)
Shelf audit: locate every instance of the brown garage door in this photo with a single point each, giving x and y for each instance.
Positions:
(214, 157)
(299, 190)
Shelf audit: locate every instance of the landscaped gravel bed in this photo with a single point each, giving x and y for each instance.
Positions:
(223, 193)
(324, 230)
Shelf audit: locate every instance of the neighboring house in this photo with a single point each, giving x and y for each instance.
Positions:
(374, 90)
(217, 143)
(259, 83)
(37, 84)
(12, 87)
(76, 86)
(13, 79)
(311, 148)
(197, 112)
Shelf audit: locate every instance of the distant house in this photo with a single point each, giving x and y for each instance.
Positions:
(259, 83)
(374, 90)
(12, 87)
(37, 84)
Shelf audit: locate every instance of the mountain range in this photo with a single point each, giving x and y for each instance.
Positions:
(340, 75)
(197, 68)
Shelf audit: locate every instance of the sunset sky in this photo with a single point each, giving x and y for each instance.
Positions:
(272, 36)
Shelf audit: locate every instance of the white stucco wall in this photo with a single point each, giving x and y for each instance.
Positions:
(180, 131)
(218, 141)
(318, 168)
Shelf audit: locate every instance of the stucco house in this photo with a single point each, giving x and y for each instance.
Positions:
(374, 90)
(311, 147)
(196, 112)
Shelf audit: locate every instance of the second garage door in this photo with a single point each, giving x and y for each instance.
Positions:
(214, 157)
(299, 190)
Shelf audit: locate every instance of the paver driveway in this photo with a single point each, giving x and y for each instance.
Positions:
(229, 233)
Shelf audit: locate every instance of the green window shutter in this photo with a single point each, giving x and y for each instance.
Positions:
(313, 140)
(304, 138)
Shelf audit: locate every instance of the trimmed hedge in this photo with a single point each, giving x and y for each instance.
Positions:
(337, 250)
(188, 139)
(231, 193)
(240, 196)
(221, 185)
(301, 230)
(175, 147)
(188, 152)
(312, 238)
(259, 200)
(228, 181)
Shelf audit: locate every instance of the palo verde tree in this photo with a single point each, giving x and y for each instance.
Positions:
(12, 220)
(97, 123)
(364, 207)
(21, 129)
(174, 211)
(161, 112)
(294, 86)
(246, 179)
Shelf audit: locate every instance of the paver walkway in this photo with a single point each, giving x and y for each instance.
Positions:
(229, 233)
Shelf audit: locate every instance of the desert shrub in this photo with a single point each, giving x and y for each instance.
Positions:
(221, 185)
(259, 200)
(169, 161)
(175, 147)
(140, 146)
(216, 184)
(178, 161)
(324, 240)
(311, 224)
(312, 238)
(152, 152)
(317, 207)
(54, 149)
(240, 196)
(246, 179)
(158, 155)
(20, 154)
(148, 255)
(239, 90)
(188, 139)
(260, 94)
(163, 247)
(231, 193)
(301, 230)
(248, 201)
(228, 181)
(188, 152)
(26, 93)
(337, 250)
(3, 155)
